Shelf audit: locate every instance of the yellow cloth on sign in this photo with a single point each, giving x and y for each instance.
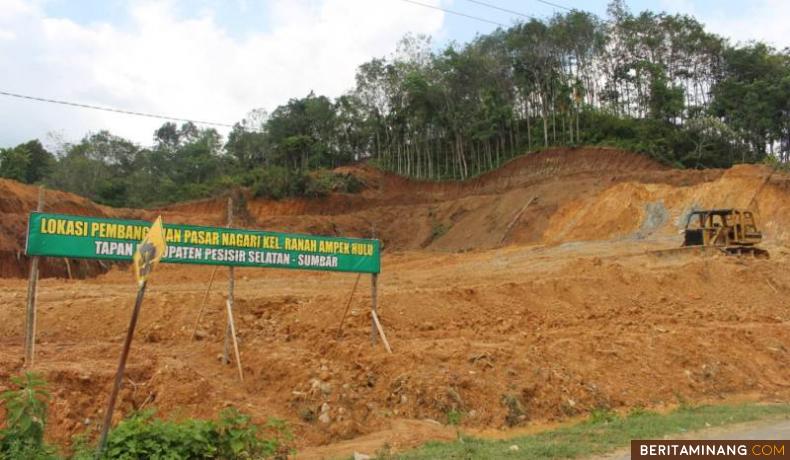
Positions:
(149, 251)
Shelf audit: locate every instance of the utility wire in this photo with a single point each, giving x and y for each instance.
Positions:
(469, 16)
(110, 109)
(501, 9)
(555, 5)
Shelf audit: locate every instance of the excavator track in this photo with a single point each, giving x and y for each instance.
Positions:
(757, 253)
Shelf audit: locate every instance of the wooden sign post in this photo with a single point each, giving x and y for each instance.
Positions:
(30, 314)
(374, 293)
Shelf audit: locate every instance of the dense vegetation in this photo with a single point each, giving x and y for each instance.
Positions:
(141, 436)
(651, 82)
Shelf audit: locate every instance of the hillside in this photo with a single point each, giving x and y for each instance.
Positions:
(570, 313)
(579, 194)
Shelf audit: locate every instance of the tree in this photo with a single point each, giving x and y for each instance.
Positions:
(14, 163)
(29, 162)
(652, 82)
(753, 97)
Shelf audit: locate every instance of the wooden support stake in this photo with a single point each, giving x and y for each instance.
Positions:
(30, 313)
(205, 299)
(121, 367)
(231, 286)
(348, 304)
(515, 219)
(235, 341)
(381, 330)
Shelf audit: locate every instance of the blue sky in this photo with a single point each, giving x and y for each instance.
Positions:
(243, 17)
(219, 59)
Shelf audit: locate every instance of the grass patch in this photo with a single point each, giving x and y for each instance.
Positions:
(601, 433)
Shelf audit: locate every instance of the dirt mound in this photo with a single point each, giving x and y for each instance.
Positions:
(16, 201)
(641, 210)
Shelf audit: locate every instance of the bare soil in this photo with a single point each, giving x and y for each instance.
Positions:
(573, 311)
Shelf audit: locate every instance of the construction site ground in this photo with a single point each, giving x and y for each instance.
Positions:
(526, 297)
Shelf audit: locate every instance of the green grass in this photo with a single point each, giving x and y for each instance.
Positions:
(602, 433)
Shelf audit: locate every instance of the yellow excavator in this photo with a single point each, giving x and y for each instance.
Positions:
(733, 231)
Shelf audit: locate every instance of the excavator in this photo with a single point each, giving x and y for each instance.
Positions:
(733, 231)
(730, 230)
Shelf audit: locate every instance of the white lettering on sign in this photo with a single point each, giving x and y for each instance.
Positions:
(309, 260)
(184, 252)
(269, 258)
(225, 255)
(111, 248)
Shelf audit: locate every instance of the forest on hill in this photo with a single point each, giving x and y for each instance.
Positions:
(651, 82)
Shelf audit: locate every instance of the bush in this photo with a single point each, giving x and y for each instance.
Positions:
(602, 415)
(276, 182)
(273, 182)
(233, 436)
(701, 142)
(26, 417)
(323, 182)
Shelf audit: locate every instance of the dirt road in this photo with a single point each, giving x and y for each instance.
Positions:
(762, 430)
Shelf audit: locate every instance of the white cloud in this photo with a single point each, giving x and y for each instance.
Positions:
(765, 20)
(190, 68)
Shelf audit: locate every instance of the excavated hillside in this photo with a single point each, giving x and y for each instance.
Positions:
(529, 294)
(580, 194)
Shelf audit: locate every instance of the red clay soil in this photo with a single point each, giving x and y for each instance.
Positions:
(574, 311)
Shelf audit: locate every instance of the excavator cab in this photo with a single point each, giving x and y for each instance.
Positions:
(732, 230)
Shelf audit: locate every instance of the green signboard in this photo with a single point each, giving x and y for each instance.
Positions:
(60, 235)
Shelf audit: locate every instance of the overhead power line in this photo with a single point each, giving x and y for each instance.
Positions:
(110, 109)
(469, 16)
(555, 5)
(523, 15)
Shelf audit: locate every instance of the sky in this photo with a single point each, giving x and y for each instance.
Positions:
(216, 60)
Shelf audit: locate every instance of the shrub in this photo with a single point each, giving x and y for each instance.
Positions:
(233, 436)
(276, 183)
(603, 415)
(26, 417)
